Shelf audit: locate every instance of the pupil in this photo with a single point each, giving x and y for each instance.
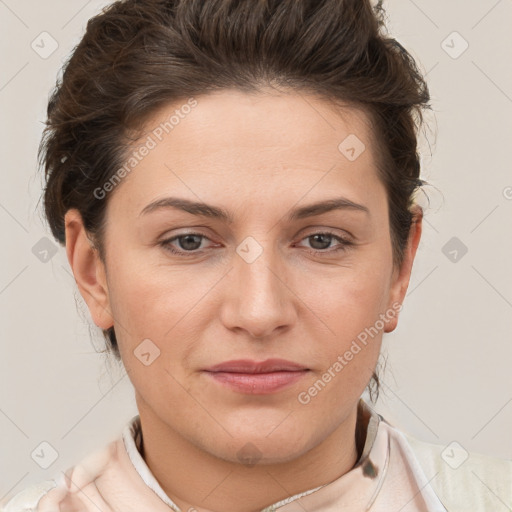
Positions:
(187, 239)
(326, 241)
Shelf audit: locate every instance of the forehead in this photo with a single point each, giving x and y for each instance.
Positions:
(250, 145)
(260, 122)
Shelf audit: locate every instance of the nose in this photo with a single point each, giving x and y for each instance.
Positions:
(258, 300)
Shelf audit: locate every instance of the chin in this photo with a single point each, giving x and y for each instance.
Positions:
(251, 450)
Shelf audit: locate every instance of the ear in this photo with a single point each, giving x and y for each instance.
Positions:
(401, 276)
(88, 269)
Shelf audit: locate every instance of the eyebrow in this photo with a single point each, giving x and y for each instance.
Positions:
(206, 210)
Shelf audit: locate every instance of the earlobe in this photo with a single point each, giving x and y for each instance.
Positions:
(403, 275)
(88, 269)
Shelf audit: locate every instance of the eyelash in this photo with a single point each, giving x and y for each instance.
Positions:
(344, 245)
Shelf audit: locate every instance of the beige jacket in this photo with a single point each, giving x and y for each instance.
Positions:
(395, 472)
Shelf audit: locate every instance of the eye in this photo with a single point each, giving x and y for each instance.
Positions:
(188, 243)
(322, 241)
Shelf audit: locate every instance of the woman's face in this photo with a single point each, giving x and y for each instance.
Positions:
(273, 278)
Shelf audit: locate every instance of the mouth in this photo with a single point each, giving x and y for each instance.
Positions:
(252, 377)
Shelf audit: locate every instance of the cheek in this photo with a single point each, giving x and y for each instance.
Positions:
(161, 304)
(144, 295)
(150, 311)
(349, 304)
(349, 350)
(350, 299)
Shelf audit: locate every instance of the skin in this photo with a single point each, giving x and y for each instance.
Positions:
(257, 156)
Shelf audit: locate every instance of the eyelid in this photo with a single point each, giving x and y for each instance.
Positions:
(172, 238)
(341, 233)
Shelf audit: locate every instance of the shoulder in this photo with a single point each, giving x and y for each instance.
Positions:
(464, 480)
(58, 492)
(27, 499)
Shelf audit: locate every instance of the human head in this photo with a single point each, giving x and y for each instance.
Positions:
(138, 56)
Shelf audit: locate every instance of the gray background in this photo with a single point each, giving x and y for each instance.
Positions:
(448, 375)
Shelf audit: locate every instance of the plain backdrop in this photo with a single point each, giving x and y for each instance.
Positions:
(448, 373)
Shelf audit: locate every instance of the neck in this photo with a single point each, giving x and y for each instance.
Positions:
(197, 480)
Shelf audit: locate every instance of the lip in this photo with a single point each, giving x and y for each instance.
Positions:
(250, 366)
(253, 377)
